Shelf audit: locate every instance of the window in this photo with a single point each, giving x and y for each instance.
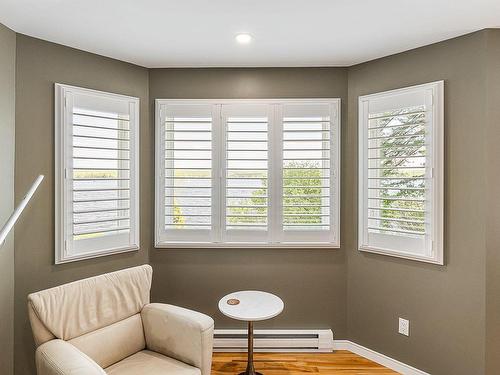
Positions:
(247, 173)
(97, 167)
(401, 149)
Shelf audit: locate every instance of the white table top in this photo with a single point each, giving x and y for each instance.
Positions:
(253, 305)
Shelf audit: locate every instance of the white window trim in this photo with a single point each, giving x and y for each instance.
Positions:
(437, 170)
(61, 118)
(335, 171)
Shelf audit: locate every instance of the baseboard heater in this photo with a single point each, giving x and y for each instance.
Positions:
(235, 340)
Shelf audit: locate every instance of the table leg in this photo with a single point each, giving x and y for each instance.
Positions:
(250, 369)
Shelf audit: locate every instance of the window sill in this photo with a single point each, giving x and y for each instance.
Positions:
(402, 255)
(77, 257)
(246, 245)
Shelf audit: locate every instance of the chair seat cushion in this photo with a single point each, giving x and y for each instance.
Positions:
(150, 363)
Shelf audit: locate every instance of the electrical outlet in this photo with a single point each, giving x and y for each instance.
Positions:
(404, 327)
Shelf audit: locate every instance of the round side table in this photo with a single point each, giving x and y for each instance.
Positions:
(251, 306)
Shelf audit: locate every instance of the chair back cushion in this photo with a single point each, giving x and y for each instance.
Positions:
(75, 309)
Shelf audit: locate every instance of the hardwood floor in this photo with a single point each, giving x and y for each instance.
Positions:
(340, 362)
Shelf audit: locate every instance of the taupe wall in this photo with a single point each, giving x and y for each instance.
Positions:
(358, 295)
(311, 282)
(39, 65)
(493, 199)
(446, 305)
(7, 126)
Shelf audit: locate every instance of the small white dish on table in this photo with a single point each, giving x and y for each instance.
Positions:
(251, 306)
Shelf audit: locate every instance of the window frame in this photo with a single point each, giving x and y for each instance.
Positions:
(274, 165)
(435, 171)
(63, 161)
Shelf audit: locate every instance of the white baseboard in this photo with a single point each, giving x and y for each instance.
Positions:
(271, 340)
(376, 357)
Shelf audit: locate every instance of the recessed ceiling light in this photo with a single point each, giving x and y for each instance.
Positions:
(243, 38)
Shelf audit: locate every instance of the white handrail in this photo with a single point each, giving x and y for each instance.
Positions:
(18, 211)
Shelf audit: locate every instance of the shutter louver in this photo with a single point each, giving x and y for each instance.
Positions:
(309, 156)
(247, 186)
(186, 144)
(397, 181)
(188, 172)
(101, 173)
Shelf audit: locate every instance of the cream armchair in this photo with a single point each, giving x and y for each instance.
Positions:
(106, 325)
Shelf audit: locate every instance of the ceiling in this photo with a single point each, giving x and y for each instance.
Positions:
(200, 33)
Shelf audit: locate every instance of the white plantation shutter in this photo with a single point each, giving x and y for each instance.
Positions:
(310, 153)
(246, 176)
(185, 164)
(247, 173)
(97, 171)
(401, 147)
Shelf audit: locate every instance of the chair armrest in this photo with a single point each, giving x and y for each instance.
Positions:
(179, 333)
(57, 357)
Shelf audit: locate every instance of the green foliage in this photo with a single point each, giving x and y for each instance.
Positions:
(402, 152)
(299, 187)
